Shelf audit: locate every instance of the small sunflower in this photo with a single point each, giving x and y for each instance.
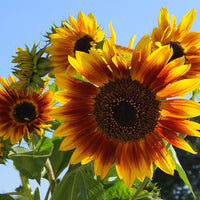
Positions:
(123, 114)
(80, 35)
(22, 113)
(183, 42)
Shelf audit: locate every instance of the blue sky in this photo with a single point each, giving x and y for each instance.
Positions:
(25, 21)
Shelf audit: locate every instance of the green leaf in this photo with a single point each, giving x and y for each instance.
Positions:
(59, 159)
(53, 87)
(36, 194)
(5, 197)
(180, 170)
(30, 163)
(119, 191)
(77, 185)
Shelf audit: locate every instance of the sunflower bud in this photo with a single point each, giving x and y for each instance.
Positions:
(31, 67)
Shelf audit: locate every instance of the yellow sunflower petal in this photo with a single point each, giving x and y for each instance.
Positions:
(187, 21)
(113, 36)
(180, 108)
(178, 88)
(163, 20)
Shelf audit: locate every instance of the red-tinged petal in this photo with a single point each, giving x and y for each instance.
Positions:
(171, 137)
(122, 165)
(76, 127)
(87, 147)
(104, 158)
(140, 164)
(76, 86)
(182, 126)
(156, 151)
(92, 66)
(154, 64)
(178, 88)
(180, 108)
(168, 77)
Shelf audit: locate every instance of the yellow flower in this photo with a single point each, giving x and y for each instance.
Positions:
(183, 42)
(122, 114)
(22, 113)
(80, 35)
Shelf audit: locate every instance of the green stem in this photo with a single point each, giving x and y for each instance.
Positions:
(51, 176)
(140, 188)
(27, 192)
(14, 193)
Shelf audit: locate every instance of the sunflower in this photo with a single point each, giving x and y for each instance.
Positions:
(123, 114)
(184, 42)
(80, 35)
(22, 113)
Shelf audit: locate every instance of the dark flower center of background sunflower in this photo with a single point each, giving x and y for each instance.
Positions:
(178, 50)
(83, 44)
(126, 110)
(24, 112)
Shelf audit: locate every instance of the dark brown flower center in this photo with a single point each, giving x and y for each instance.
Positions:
(126, 110)
(178, 50)
(24, 112)
(83, 44)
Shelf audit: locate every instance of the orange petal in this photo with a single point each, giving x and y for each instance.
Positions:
(180, 108)
(182, 126)
(178, 88)
(141, 52)
(122, 165)
(154, 64)
(171, 137)
(92, 66)
(104, 158)
(156, 151)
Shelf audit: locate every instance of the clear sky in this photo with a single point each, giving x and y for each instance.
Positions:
(25, 21)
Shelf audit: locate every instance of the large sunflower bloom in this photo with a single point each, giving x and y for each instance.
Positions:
(21, 112)
(184, 42)
(80, 35)
(122, 114)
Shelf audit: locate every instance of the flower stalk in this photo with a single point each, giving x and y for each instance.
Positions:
(27, 192)
(140, 188)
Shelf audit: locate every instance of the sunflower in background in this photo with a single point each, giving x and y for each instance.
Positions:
(123, 114)
(125, 52)
(22, 113)
(81, 35)
(182, 41)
